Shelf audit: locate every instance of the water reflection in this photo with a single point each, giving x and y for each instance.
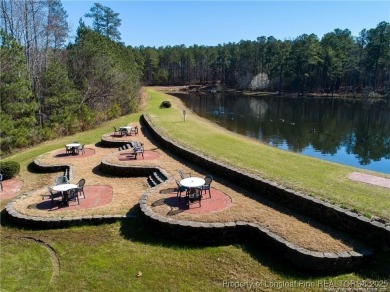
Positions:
(349, 132)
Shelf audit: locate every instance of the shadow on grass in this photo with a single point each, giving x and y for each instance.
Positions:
(378, 269)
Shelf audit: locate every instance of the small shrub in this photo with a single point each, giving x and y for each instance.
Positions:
(9, 169)
(165, 104)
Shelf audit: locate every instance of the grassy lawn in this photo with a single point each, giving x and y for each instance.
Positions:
(311, 176)
(108, 257)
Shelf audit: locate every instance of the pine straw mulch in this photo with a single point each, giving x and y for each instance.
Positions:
(246, 206)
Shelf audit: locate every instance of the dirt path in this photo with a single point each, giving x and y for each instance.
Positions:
(370, 179)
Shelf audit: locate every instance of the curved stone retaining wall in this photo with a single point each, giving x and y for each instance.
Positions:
(373, 232)
(129, 170)
(57, 222)
(109, 142)
(217, 233)
(39, 167)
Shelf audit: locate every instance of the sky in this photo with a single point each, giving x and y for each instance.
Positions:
(209, 23)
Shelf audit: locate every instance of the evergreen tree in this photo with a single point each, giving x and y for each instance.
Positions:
(61, 101)
(18, 108)
(105, 21)
(57, 26)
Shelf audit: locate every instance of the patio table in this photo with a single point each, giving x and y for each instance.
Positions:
(73, 146)
(64, 188)
(192, 182)
(126, 129)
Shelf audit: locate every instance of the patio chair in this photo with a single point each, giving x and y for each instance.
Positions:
(81, 149)
(80, 186)
(53, 195)
(184, 175)
(74, 195)
(135, 144)
(134, 130)
(68, 150)
(138, 150)
(208, 180)
(194, 194)
(117, 132)
(124, 132)
(59, 180)
(1, 181)
(180, 189)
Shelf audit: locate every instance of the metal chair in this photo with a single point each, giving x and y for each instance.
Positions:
(134, 130)
(59, 180)
(124, 132)
(208, 180)
(80, 186)
(53, 195)
(68, 150)
(193, 195)
(117, 132)
(137, 151)
(180, 189)
(184, 175)
(74, 194)
(81, 149)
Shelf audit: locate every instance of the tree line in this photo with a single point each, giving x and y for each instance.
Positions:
(336, 62)
(49, 88)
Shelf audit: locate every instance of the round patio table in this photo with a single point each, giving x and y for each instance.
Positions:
(192, 182)
(126, 129)
(64, 188)
(73, 146)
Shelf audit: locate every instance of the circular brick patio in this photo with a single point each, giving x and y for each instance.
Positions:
(11, 187)
(217, 202)
(95, 196)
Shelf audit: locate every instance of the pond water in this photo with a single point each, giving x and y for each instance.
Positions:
(354, 133)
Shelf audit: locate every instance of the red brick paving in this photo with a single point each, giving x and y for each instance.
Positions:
(218, 201)
(11, 188)
(95, 196)
(128, 156)
(62, 154)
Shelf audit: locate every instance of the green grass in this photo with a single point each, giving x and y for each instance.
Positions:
(107, 257)
(93, 136)
(311, 176)
(24, 264)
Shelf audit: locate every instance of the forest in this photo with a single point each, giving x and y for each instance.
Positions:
(50, 87)
(338, 62)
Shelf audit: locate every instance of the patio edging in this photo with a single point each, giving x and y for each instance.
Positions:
(371, 231)
(112, 142)
(128, 170)
(230, 232)
(55, 222)
(61, 222)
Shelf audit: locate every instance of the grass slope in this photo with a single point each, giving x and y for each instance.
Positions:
(311, 176)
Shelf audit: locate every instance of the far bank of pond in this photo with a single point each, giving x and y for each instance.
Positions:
(346, 131)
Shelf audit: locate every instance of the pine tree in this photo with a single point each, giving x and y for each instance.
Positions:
(18, 108)
(105, 21)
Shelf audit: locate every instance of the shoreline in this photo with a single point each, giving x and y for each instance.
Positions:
(214, 89)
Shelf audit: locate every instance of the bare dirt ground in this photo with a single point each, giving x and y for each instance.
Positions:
(370, 179)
